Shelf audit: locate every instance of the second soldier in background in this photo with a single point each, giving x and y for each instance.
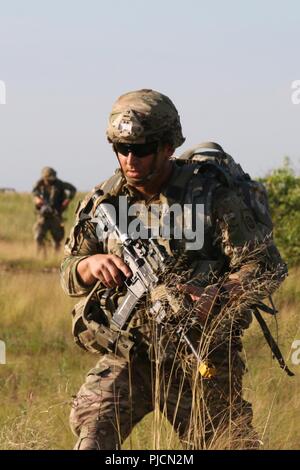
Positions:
(51, 198)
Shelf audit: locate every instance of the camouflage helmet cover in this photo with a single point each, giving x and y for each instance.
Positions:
(48, 173)
(143, 116)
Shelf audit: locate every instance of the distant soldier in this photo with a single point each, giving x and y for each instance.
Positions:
(51, 197)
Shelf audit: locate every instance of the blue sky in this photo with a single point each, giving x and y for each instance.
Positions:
(228, 67)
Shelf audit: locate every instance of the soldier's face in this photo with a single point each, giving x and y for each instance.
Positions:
(49, 181)
(136, 169)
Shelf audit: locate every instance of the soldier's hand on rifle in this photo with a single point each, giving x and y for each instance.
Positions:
(38, 201)
(109, 269)
(205, 298)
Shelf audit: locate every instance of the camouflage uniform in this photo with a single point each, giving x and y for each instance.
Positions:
(50, 214)
(161, 374)
(106, 407)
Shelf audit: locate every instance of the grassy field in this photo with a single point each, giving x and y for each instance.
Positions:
(45, 368)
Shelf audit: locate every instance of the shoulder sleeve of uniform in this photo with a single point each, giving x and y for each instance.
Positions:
(83, 240)
(69, 278)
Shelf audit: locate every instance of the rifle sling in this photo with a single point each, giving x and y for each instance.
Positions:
(271, 342)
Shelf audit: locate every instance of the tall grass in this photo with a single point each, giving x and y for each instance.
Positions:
(18, 215)
(17, 246)
(274, 394)
(45, 368)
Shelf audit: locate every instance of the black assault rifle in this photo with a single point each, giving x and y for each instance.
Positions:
(45, 209)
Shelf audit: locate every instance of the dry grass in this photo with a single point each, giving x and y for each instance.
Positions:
(274, 394)
(37, 381)
(18, 256)
(44, 368)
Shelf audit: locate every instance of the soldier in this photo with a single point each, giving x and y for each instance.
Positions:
(144, 130)
(51, 197)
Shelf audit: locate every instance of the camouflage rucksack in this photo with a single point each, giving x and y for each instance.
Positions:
(211, 156)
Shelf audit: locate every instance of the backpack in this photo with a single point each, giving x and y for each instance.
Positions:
(211, 156)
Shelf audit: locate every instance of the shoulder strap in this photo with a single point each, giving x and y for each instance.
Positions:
(110, 187)
(177, 189)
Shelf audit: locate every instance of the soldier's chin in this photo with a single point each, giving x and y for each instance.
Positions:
(134, 181)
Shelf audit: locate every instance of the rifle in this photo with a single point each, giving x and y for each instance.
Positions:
(148, 262)
(45, 209)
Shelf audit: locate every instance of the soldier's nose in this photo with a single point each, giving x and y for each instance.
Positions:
(131, 158)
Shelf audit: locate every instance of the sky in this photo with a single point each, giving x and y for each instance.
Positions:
(227, 66)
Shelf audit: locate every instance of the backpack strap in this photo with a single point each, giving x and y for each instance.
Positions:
(110, 187)
(177, 190)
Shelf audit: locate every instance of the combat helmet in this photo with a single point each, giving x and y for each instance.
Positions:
(144, 116)
(48, 173)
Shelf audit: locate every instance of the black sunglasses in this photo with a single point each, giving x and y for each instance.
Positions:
(138, 150)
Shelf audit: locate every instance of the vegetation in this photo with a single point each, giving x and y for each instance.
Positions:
(17, 249)
(283, 187)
